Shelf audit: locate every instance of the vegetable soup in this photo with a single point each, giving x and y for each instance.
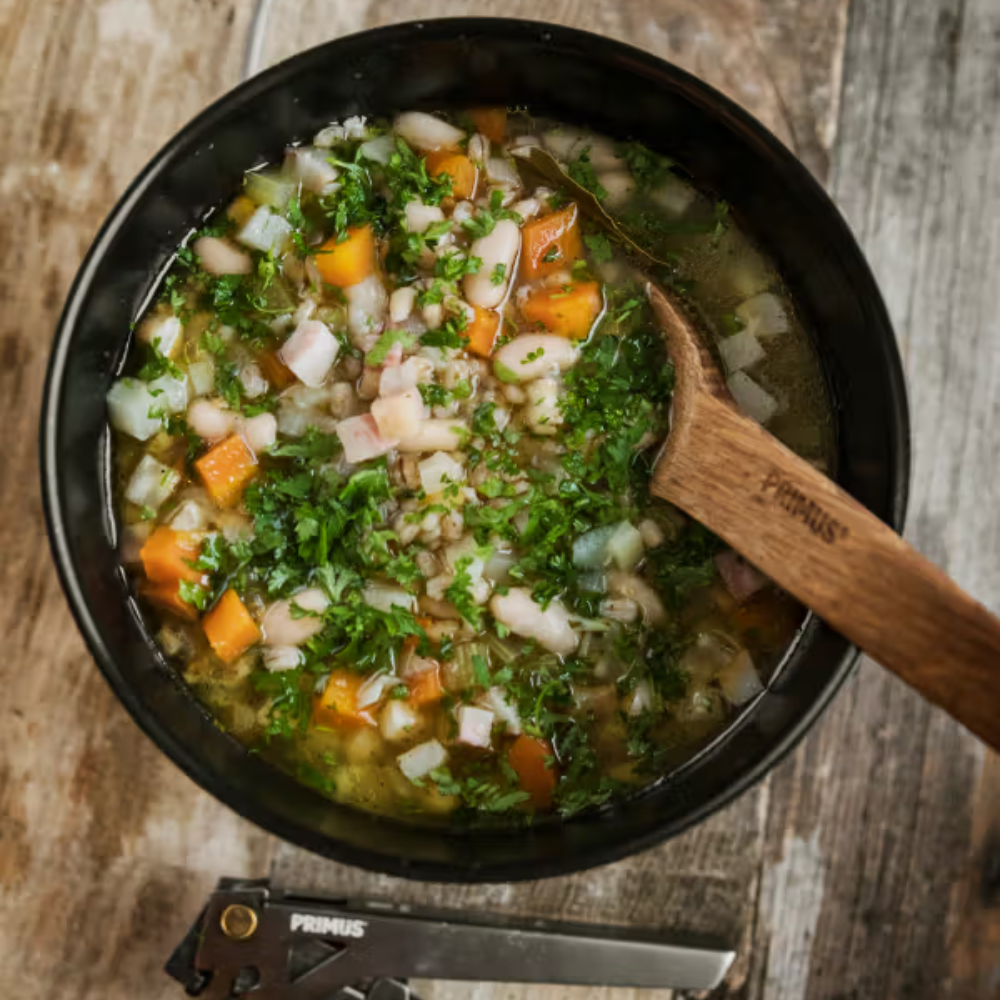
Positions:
(383, 456)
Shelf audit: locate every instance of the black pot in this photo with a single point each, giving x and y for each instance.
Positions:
(570, 75)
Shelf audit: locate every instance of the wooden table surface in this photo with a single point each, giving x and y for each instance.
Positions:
(867, 866)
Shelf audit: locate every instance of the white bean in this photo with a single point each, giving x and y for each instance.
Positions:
(500, 247)
(401, 303)
(551, 627)
(479, 148)
(342, 400)
(210, 420)
(260, 432)
(427, 132)
(433, 315)
(533, 355)
(221, 257)
(282, 628)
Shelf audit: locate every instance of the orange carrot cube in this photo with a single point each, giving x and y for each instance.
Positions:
(482, 332)
(566, 310)
(230, 628)
(425, 687)
(167, 556)
(349, 261)
(532, 759)
(168, 597)
(551, 243)
(491, 122)
(226, 469)
(337, 706)
(462, 171)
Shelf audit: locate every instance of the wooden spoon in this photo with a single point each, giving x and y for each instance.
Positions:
(819, 544)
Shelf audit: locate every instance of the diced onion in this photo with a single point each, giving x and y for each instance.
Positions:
(311, 169)
(620, 544)
(373, 690)
(765, 314)
(755, 401)
(474, 726)
(202, 376)
(269, 189)
(422, 759)
(396, 721)
(169, 393)
(503, 709)
(129, 408)
(265, 231)
(741, 350)
(151, 483)
(501, 170)
(379, 149)
(189, 516)
(162, 332)
(590, 550)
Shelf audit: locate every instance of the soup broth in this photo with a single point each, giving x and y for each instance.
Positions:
(383, 459)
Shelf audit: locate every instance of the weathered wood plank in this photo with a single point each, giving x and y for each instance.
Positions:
(106, 850)
(890, 807)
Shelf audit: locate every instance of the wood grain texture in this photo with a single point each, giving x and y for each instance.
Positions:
(818, 543)
(891, 803)
(106, 850)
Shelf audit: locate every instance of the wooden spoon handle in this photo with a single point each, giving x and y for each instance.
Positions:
(836, 557)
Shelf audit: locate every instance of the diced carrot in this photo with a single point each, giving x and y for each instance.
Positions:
(482, 332)
(350, 261)
(459, 168)
(230, 628)
(425, 687)
(491, 122)
(240, 209)
(551, 243)
(226, 469)
(337, 706)
(168, 554)
(566, 310)
(168, 597)
(536, 772)
(275, 370)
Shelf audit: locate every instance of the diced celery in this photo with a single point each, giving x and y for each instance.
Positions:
(267, 188)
